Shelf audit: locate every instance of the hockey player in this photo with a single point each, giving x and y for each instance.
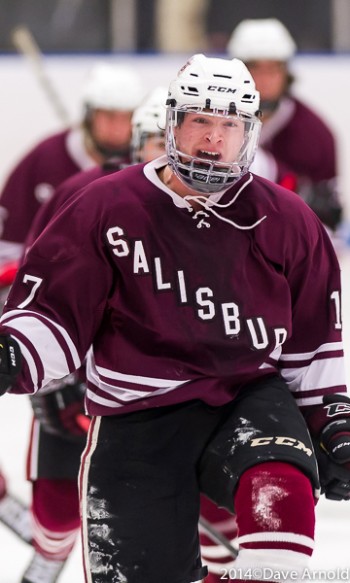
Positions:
(147, 142)
(292, 132)
(209, 301)
(109, 97)
(58, 413)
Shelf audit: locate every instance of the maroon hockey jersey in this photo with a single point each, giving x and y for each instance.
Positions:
(33, 181)
(63, 195)
(300, 139)
(173, 304)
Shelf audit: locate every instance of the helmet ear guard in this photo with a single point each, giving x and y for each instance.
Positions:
(220, 88)
(148, 120)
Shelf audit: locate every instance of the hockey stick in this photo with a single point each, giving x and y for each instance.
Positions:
(16, 516)
(25, 44)
(217, 537)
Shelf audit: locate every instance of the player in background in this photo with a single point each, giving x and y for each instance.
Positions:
(109, 96)
(295, 135)
(147, 142)
(213, 350)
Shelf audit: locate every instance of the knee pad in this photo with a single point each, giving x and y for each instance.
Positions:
(274, 505)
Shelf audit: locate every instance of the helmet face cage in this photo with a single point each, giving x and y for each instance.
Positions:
(209, 176)
(213, 87)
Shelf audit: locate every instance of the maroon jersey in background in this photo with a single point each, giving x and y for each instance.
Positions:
(300, 140)
(63, 194)
(33, 182)
(171, 320)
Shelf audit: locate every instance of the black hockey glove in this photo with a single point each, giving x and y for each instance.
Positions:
(324, 200)
(61, 411)
(10, 362)
(329, 425)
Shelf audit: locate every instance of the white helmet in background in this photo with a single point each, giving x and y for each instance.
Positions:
(213, 87)
(261, 39)
(112, 87)
(148, 120)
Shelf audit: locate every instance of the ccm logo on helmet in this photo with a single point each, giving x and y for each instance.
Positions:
(221, 89)
(280, 440)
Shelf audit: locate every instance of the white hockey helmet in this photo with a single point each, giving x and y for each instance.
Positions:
(112, 87)
(213, 87)
(148, 120)
(261, 39)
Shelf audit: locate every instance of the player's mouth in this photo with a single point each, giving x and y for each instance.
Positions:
(209, 155)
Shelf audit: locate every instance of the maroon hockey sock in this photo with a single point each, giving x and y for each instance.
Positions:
(275, 515)
(56, 517)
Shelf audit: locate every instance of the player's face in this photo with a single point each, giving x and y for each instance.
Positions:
(210, 137)
(270, 78)
(153, 147)
(112, 129)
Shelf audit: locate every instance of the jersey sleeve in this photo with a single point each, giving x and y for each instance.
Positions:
(57, 301)
(312, 359)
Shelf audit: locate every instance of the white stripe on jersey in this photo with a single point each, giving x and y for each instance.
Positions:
(31, 365)
(54, 360)
(90, 395)
(138, 379)
(318, 373)
(124, 394)
(329, 347)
